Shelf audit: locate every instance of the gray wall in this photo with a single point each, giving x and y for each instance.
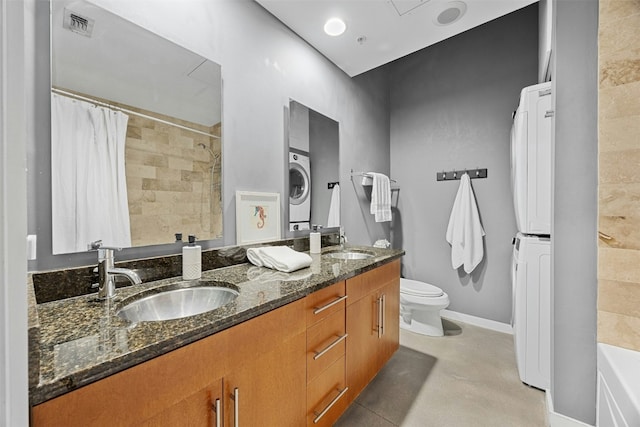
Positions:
(574, 244)
(263, 65)
(451, 107)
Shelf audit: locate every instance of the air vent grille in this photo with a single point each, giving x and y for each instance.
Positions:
(77, 23)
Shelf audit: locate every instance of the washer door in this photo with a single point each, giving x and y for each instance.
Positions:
(298, 184)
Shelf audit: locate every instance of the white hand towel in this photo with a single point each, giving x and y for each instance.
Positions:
(464, 232)
(334, 208)
(380, 197)
(281, 258)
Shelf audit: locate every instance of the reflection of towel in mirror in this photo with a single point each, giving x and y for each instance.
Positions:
(281, 258)
(334, 209)
(464, 232)
(380, 197)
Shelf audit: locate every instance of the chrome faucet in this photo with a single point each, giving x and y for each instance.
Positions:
(107, 271)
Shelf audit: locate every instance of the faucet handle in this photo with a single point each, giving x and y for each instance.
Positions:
(98, 245)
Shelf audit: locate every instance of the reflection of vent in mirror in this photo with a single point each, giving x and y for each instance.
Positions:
(77, 23)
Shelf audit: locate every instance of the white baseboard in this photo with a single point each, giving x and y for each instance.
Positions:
(558, 420)
(478, 321)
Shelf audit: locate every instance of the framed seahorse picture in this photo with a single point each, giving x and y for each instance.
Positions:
(257, 217)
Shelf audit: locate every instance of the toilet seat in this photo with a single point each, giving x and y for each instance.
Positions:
(419, 289)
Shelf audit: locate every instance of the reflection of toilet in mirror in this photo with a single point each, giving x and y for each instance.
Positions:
(299, 191)
(420, 305)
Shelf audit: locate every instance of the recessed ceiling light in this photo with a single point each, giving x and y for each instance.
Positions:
(451, 13)
(335, 26)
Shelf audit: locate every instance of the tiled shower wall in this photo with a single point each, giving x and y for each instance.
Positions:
(173, 181)
(619, 173)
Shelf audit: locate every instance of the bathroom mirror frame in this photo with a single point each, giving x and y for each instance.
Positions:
(322, 143)
(39, 163)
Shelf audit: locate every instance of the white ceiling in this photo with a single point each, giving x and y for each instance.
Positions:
(392, 28)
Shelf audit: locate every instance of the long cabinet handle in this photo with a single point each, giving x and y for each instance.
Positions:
(384, 316)
(379, 320)
(331, 304)
(333, 402)
(236, 406)
(322, 352)
(216, 409)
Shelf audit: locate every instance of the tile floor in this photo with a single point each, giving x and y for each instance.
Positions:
(466, 378)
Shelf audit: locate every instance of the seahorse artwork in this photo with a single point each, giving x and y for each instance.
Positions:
(260, 213)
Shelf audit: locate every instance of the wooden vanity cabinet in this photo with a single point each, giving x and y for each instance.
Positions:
(261, 360)
(372, 318)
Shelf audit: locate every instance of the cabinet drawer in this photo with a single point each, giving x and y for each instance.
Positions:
(326, 342)
(326, 396)
(361, 285)
(325, 302)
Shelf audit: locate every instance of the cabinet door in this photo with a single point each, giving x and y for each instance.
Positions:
(203, 408)
(181, 380)
(390, 336)
(362, 343)
(266, 382)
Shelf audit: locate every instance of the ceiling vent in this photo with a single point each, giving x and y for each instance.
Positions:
(406, 6)
(77, 23)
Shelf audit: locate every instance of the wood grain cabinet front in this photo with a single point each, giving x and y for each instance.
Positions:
(373, 324)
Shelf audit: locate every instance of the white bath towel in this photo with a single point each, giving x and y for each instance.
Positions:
(380, 197)
(465, 232)
(281, 258)
(334, 208)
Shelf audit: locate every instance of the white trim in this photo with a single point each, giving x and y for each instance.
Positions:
(558, 420)
(478, 321)
(14, 391)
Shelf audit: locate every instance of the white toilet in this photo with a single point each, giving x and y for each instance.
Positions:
(420, 305)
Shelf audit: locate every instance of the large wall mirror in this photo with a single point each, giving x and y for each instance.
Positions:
(136, 134)
(314, 147)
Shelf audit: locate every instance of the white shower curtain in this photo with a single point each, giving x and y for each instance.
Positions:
(89, 189)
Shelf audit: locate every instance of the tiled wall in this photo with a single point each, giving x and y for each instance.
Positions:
(171, 185)
(619, 173)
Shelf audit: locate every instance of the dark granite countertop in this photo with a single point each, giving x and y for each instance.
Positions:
(81, 340)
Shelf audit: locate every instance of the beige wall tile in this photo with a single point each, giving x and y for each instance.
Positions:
(619, 101)
(619, 134)
(613, 10)
(619, 330)
(619, 166)
(619, 264)
(620, 32)
(624, 231)
(619, 72)
(619, 297)
(619, 199)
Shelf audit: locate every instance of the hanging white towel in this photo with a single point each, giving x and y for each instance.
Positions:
(281, 258)
(334, 208)
(465, 232)
(380, 197)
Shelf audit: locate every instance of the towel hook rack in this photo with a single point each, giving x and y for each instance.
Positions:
(457, 174)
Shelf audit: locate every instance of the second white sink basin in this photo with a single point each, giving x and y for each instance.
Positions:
(350, 255)
(177, 303)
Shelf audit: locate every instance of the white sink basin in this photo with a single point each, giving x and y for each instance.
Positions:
(177, 303)
(350, 255)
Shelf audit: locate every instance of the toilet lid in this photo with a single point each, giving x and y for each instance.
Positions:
(420, 289)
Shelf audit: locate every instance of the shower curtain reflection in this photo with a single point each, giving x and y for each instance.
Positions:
(89, 191)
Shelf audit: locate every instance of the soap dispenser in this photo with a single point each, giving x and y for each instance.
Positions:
(191, 260)
(314, 240)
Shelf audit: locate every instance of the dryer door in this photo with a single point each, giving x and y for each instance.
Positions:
(298, 184)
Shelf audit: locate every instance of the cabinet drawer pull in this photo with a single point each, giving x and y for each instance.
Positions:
(331, 304)
(379, 320)
(325, 410)
(329, 347)
(236, 406)
(384, 309)
(216, 409)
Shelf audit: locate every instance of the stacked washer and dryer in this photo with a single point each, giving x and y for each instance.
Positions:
(299, 190)
(531, 180)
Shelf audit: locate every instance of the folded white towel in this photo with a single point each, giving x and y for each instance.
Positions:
(464, 232)
(380, 197)
(334, 208)
(281, 258)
